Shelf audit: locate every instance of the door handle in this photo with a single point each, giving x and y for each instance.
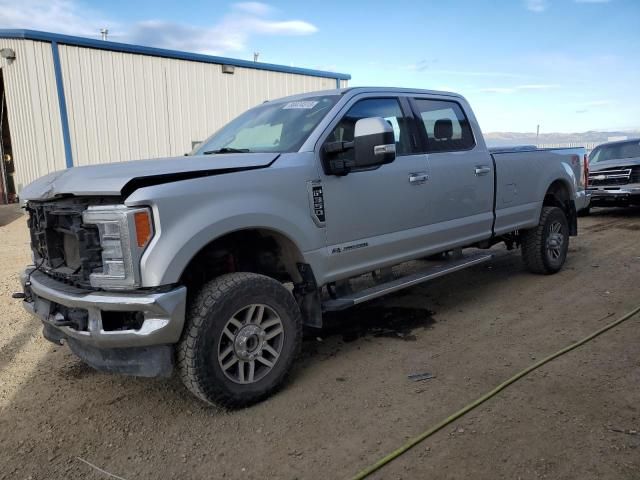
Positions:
(418, 178)
(482, 170)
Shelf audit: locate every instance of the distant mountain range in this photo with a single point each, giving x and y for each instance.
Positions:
(499, 139)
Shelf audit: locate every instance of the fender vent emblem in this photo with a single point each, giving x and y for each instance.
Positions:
(318, 203)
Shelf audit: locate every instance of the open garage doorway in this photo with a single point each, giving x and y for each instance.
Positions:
(7, 166)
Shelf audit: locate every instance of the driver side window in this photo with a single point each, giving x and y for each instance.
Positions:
(387, 108)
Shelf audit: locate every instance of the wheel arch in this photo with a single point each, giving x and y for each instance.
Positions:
(254, 249)
(559, 194)
(257, 250)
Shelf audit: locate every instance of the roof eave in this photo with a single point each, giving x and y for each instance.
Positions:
(162, 52)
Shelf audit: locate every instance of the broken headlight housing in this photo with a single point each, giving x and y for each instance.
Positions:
(124, 234)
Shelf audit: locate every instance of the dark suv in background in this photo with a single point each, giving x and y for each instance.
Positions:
(614, 174)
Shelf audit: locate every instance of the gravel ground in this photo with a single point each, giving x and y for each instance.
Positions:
(349, 401)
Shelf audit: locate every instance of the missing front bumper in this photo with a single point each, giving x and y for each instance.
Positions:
(84, 319)
(152, 361)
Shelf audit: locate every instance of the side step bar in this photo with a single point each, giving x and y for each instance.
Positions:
(379, 290)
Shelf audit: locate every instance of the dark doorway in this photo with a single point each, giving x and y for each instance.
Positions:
(7, 164)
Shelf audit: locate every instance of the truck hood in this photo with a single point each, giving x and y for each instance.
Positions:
(608, 164)
(125, 177)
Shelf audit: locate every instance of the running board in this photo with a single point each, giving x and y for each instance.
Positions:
(379, 290)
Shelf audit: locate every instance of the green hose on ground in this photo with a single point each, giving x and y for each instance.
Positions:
(416, 440)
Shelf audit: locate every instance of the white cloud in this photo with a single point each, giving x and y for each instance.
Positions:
(537, 6)
(586, 107)
(537, 86)
(289, 27)
(518, 88)
(253, 8)
(425, 66)
(62, 16)
(565, 63)
(497, 90)
(231, 33)
(467, 73)
(596, 103)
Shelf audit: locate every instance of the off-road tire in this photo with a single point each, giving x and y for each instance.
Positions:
(535, 253)
(207, 315)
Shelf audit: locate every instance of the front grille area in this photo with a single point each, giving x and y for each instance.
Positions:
(613, 177)
(63, 247)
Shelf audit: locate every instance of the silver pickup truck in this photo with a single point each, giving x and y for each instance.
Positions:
(214, 262)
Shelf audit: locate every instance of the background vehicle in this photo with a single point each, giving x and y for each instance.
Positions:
(614, 178)
(219, 258)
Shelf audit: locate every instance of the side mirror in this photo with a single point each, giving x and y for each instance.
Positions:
(373, 142)
(373, 145)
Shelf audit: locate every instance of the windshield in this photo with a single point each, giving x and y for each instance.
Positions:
(616, 151)
(271, 127)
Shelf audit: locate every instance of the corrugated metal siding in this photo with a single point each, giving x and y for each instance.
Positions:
(33, 111)
(124, 106)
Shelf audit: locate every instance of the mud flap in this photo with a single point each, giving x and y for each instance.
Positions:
(308, 298)
(573, 219)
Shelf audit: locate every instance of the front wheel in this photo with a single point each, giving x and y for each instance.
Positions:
(544, 248)
(243, 333)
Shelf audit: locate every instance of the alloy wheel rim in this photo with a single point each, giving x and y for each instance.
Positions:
(555, 240)
(250, 344)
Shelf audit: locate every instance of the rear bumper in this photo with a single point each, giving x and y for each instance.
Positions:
(583, 200)
(144, 351)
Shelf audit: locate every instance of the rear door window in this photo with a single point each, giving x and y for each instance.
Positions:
(445, 125)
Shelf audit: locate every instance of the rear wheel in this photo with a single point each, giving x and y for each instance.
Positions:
(243, 332)
(544, 248)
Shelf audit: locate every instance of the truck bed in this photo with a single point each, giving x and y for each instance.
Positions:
(522, 177)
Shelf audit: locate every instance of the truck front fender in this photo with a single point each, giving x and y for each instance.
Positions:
(190, 214)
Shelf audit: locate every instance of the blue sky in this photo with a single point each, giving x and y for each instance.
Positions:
(568, 65)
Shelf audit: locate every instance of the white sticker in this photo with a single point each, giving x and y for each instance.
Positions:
(306, 105)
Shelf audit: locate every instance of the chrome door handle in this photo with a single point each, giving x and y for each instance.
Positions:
(418, 178)
(482, 170)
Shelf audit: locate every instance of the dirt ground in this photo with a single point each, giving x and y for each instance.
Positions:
(349, 400)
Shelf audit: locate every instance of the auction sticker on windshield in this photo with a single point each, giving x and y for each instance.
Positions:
(306, 105)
